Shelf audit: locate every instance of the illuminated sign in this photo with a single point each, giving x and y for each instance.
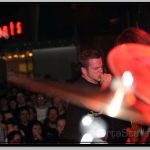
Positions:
(12, 29)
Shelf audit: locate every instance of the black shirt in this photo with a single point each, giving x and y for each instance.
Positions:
(72, 132)
(116, 128)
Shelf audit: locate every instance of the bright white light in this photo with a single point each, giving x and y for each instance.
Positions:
(86, 139)
(127, 79)
(100, 133)
(116, 84)
(30, 54)
(99, 141)
(115, 105)
(125, 82)
(87, 120)
(9, 57)
(15, 56)
(121, 86)
(97, 128)
(93, 127)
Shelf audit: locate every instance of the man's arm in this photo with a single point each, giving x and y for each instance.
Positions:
(91, 101)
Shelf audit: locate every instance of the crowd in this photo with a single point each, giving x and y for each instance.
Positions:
(27, 117)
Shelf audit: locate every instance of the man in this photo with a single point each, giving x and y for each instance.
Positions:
(92, 78)
(81, 93)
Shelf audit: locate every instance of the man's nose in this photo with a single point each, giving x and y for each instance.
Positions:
(101, 70)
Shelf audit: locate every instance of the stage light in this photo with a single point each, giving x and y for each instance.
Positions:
(114, 107)
(30, 54)
(9, 57)
(4, 58)
(22, 56)
(87, 120)
(121, 86)
(98, 128)
(127, 79)
(15, 56)
(100, 133)
(86, 139)
(93, 128)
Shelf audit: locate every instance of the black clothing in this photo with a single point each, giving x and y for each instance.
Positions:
(115, 128)
(26, 130)
(117, 133)
(36, 141)
(72, 132)
(50, 134)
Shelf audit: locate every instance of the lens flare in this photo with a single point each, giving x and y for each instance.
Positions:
(87, 120)
(86, 139)
(127, 79)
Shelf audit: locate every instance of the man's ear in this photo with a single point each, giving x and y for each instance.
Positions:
(83, 70)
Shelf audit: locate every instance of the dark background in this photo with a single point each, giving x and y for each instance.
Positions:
(48, 28)
(58, 25)
(46, 22)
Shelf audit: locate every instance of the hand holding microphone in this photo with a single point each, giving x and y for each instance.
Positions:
(106, 80)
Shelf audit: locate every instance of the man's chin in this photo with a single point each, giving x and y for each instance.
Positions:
(99, 79)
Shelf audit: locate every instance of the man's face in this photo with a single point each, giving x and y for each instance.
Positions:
(94, 69)
(11, 127)
(24, 116)
(36, 130)
(40, 100)
(20, 98)
(52, 116)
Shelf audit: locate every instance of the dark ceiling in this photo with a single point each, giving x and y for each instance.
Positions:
(48, 21)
